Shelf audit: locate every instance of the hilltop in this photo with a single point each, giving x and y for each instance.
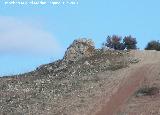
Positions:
(82, 83)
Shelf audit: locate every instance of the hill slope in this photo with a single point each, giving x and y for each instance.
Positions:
(146, 99)
(85, 87)
(61, 88)
(138, 94)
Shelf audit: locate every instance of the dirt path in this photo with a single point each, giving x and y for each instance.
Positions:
(147, 68)
(145, 104)
(127, 88)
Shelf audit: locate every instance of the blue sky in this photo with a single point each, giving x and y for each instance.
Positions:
(35, 35)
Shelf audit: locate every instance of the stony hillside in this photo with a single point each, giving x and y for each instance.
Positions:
(70, 86)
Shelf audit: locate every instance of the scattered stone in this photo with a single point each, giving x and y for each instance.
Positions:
(86, 63)
(133, 60)
(105, 48)
(46, 88)
(50, 68)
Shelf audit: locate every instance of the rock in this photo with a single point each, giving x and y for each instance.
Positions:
(50, 68)
(78, 49)
(133, 60)
(86, 63)
(105, 48)
(60, 68)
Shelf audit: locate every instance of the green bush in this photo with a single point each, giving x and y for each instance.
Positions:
(130, 42)
(153, 45)
(115, 42)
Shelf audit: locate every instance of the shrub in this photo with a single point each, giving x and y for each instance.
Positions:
(153, 45)
(130, 42)
(114, 42)
(147, 91)
(120, 46)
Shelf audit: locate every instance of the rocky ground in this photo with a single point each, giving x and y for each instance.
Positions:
(58, 89)
(87, 81)
(73, 85)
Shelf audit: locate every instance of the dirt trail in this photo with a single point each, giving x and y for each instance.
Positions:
(145, 69)
(145, 104)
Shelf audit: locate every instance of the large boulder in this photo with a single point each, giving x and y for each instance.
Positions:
(78, 49)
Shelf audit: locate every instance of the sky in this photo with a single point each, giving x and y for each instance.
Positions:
(32, 35)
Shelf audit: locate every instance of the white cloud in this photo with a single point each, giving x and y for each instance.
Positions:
(20, 36)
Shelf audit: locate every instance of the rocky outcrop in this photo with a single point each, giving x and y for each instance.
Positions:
(78, 49)
(52, 87)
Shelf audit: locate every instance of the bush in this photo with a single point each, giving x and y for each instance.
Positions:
(153, 45)
(147, 91)
(115, 42)
(130, 42)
